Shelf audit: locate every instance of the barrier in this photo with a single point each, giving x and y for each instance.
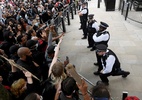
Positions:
(130, 11)
(99, 1)
(125, 9)
(59, 20)
(87, 82)
(71, 8)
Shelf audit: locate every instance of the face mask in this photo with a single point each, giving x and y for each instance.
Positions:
(37, 24)
(29, 58)
(34, 47)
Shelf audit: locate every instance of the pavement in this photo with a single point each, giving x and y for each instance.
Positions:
(125, 41)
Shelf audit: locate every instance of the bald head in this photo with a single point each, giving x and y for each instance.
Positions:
(23, 51)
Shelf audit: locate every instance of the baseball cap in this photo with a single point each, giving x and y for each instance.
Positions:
(31, 43)
(51, 49)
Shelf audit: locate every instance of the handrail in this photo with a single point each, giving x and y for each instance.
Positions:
(87, 82)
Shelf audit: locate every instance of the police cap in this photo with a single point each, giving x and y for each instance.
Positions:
(101, 47)
(103, 24)
(91, 16)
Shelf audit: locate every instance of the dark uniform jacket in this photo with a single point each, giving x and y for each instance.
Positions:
(89, 28)
(102, 42)
(116, 66)
(84, 17)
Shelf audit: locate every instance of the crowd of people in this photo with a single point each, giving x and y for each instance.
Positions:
(29, 47)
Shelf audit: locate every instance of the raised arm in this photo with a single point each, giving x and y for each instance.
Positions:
(55, 55)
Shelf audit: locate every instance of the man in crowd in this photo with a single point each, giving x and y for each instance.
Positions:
(27, 62)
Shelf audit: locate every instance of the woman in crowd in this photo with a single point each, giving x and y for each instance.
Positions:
(21, 88)
(19, 30)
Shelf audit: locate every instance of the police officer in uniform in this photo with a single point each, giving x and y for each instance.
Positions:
(101, 37)
(92, 28)
(83, 18)
(110, 63)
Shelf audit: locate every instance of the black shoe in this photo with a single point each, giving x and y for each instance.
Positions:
(96, 73)
(88, 46)
(96, 64)
(84, 38)
(125, 74)
(92, 49)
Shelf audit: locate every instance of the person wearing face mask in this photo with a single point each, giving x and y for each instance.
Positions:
(32, 45)
(22, 39)
(92, 28)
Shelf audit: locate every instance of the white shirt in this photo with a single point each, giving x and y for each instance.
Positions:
(102, 37)
(109, 64)
(84, 11)
(96, 26)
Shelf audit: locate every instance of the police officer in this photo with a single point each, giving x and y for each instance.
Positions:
(92, 28)
(83, 18)
(110, 63)
(101, 37)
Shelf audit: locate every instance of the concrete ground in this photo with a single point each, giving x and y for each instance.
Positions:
(125, 41)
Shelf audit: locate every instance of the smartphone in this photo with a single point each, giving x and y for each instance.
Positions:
(124, 95)
(67, 58)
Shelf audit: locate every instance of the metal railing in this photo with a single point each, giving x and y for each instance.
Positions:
(89, 82)
(64, 16)
(131, 10)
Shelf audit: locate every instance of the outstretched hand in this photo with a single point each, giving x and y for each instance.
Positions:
(28, 74)
(83, 86)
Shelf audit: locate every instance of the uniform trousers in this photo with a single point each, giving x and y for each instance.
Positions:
(84, 27)
(100, 67)
(90, 39)
(104, 78)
